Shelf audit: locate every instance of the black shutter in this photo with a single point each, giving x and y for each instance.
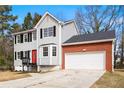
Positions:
(28, 54)
(15, 39)
(15, 55)
(21, 36)
(28, 37)
(54, 31)
(21, 54)
(41, 33)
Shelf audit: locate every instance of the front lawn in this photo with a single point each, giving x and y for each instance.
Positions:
(110, 80)
(8, 75)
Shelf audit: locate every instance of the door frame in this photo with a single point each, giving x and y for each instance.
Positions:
(35, 52)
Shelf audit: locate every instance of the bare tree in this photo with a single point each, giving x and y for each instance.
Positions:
(122, 42)
(60, 16)
(96, 18)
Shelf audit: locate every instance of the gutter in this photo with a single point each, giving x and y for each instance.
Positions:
(21, 32)
(88, 42)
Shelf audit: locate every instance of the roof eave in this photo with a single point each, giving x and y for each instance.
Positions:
(89, 42)
(31, 30)
(47, 13)
(74, 24)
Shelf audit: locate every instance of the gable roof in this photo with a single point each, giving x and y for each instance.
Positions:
(91, 37)
(72, 21)
(47, 13)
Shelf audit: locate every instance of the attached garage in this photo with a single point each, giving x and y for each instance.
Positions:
(85, 60)
(92, 51)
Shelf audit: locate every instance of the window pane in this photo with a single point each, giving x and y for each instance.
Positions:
(48, 32)
(45, 32)
(18, 38)
(34, 35)
(51, 31)
(54, 51)
(18, 55)
(26, 38)
(30, 37)
(45, 51)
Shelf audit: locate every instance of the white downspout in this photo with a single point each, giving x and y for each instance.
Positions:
(60, 45)
(38, 67)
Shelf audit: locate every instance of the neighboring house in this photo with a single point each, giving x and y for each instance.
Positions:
(53, 44)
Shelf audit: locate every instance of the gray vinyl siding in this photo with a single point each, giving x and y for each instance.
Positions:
(68, 31)
(25, 46)
(48, 22)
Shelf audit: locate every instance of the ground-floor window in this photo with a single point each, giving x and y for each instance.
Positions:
(27, 54)
(45, 51)
(19, 56)
(54, 51)
(22, 54)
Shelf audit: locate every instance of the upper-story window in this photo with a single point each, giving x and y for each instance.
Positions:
(18, 37)
(50, 31)
(30, 37)
(34, 35)
(46, 34)
(25, 37)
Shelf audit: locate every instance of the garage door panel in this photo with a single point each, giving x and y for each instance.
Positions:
(87, 60)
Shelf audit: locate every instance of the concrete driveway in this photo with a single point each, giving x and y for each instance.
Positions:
(56, 79)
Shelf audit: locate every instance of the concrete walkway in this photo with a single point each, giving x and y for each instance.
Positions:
(56, 79)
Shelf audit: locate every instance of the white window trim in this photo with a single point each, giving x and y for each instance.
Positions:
(18, 55)
(34, 36)
(18, 39)
(48, 31)
(54, 51)
(46, 51)
(25, 36)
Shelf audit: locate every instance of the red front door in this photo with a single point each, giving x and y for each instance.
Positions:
(34, 56)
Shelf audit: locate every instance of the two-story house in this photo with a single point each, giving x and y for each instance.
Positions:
(42, 45)
(53, 44)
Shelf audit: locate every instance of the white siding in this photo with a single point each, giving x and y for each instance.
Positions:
(68, 31)
(63, 32)
(47, 22)
(25, 46)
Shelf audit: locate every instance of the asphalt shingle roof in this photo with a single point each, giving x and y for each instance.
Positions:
(91, 37)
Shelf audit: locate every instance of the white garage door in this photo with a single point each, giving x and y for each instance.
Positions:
(85, 60)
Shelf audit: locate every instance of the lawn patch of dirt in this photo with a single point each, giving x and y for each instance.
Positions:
(110, 80)
(8, 75)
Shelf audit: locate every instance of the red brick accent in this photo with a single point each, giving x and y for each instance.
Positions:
(104, 46)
